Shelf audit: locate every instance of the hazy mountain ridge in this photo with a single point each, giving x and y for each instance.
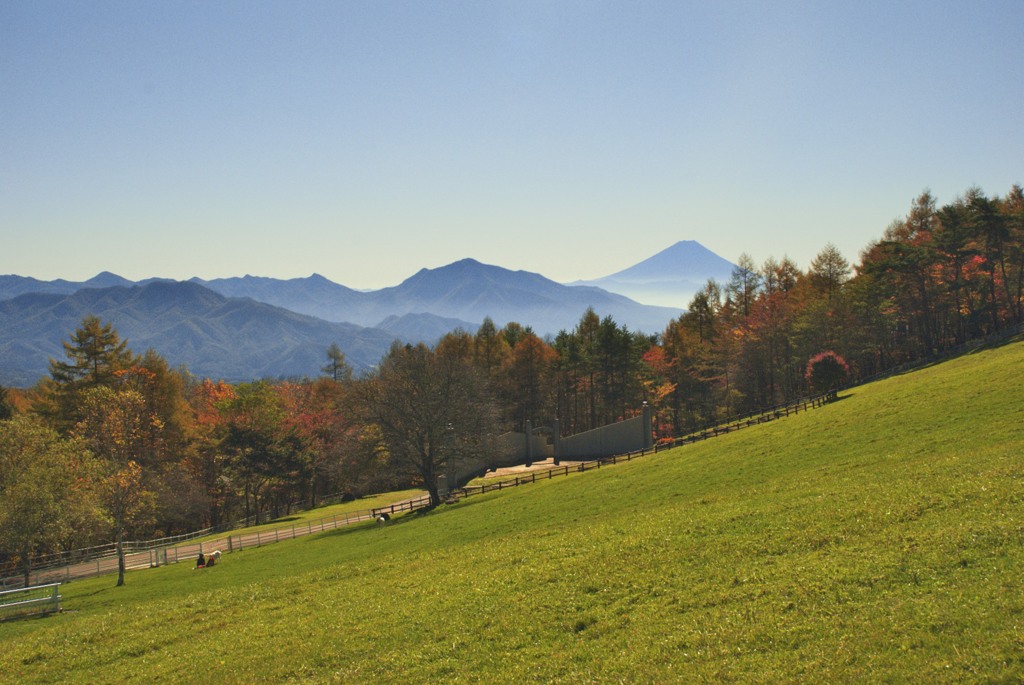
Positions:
(231, 338)
(250, 327)
(466, 290)
(314, 295)
(669, 278)
(471, 291)
(423, 327)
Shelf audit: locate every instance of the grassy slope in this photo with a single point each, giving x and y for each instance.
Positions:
(878, 539)
(314, 516)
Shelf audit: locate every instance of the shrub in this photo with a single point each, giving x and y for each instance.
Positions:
(826, 371)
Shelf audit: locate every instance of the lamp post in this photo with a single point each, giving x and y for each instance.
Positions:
(449, 459)
(648, 431)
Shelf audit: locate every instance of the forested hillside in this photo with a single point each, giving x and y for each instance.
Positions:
(161, 451)
(212, 335)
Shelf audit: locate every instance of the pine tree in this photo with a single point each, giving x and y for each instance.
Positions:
(95, 354)
(337, 369)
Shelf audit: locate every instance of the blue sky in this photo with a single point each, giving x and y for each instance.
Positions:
(365, 140)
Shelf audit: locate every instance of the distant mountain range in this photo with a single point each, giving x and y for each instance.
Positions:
(12, 286)
(670, 278)
(252, 327)
(235, 339)
(465, 292)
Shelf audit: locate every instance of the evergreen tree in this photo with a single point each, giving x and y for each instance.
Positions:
(744, 284)
(258, 443)
(489, 348)
(6, 410)
(829, 272)
(337, 369)
(95, 354)
(1012, 210)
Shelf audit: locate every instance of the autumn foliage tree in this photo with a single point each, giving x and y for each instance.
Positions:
(46, 488)
(336, 368)
(431, 407)
(204, 460)
(319, 413)
(114, 425)
(826, 371)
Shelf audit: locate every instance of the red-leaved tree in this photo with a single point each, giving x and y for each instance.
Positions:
(826, 371)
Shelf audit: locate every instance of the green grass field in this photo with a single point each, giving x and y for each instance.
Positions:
(301, 518)
(878, 539)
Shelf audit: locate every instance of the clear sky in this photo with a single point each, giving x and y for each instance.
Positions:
(364, 140)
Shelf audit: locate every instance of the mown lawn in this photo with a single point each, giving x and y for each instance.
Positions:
(879, 539)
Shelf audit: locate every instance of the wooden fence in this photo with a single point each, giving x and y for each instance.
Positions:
(150, 556)
(748, 420)
(704, 434)
(101, 555)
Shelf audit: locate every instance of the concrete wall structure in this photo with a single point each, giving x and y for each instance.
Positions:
(630, 435)
(508, 449)
(538, 444)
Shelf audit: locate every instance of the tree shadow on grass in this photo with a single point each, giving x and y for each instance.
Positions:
(284, 519)
(404, 518)
(30, 616)
(976, 348)
(996, 344)
(349, 529)
(393, 520)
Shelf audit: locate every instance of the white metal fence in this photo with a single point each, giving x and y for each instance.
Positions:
(41, 599)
